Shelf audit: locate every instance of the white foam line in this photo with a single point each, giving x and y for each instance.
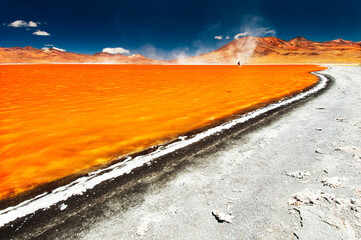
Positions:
(79, 186)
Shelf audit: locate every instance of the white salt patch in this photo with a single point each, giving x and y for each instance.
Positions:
(248, 153)
(271, 134)
(63, 206)
(143, 227)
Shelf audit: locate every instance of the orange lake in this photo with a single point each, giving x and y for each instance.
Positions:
(63, 119)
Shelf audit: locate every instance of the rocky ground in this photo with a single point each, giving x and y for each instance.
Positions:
(294, 176)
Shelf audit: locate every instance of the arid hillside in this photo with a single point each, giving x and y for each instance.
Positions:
(244, 50)
(51, 55)
(274, 50)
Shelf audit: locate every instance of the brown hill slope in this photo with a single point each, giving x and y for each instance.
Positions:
(33, 55)
(274, 50)
(245, 50)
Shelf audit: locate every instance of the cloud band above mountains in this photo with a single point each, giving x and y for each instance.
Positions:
(117, 50)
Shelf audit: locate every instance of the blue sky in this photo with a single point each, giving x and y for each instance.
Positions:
(167, 29)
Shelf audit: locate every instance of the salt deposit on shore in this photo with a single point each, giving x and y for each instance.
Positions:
(295, 175)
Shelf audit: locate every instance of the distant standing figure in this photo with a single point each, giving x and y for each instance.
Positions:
(239, 64)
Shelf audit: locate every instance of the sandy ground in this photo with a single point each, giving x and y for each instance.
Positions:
(297, 176)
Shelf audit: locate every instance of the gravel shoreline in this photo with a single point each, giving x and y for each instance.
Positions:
(291, 176)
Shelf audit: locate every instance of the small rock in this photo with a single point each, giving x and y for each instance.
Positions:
(332, 182)
(222, 217)
(298, 174)
(318, 151)
(318, 129)
(237, 190)
(328, 197)
(340, 119)
(303, 198)
(310, 198)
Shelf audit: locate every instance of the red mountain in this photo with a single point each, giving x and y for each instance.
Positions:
(274, 50)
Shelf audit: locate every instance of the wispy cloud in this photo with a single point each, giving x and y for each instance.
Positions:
(257, 32)
(41, 33)
(117, 50)
(218, 37)
(46, 49)
(32, 24)
(239, 35)
(21, 23)
(255, 26)
(59, 49)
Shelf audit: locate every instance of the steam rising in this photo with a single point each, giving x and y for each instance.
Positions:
(151, 51)
(178, 54)
(247, 45)
(241, 49)
(239, 35)
(251, 28)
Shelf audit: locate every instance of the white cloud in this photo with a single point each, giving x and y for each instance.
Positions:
(46, 49)
(218, 37)
(255, 26)
(256, 32)
(32, 24)
(59, 49)
(261, 32)
(239, 35)
(227, 37)
(116, 50)
(41, 33)
(267, 31)
(21, 23)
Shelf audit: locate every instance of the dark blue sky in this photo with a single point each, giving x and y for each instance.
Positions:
(166, 29)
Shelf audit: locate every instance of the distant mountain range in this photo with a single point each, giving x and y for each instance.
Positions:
(51, 55)
(245, 50)
(274, 50)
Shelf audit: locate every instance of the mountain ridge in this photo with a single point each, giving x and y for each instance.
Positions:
(247, 49)
(274, 50)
